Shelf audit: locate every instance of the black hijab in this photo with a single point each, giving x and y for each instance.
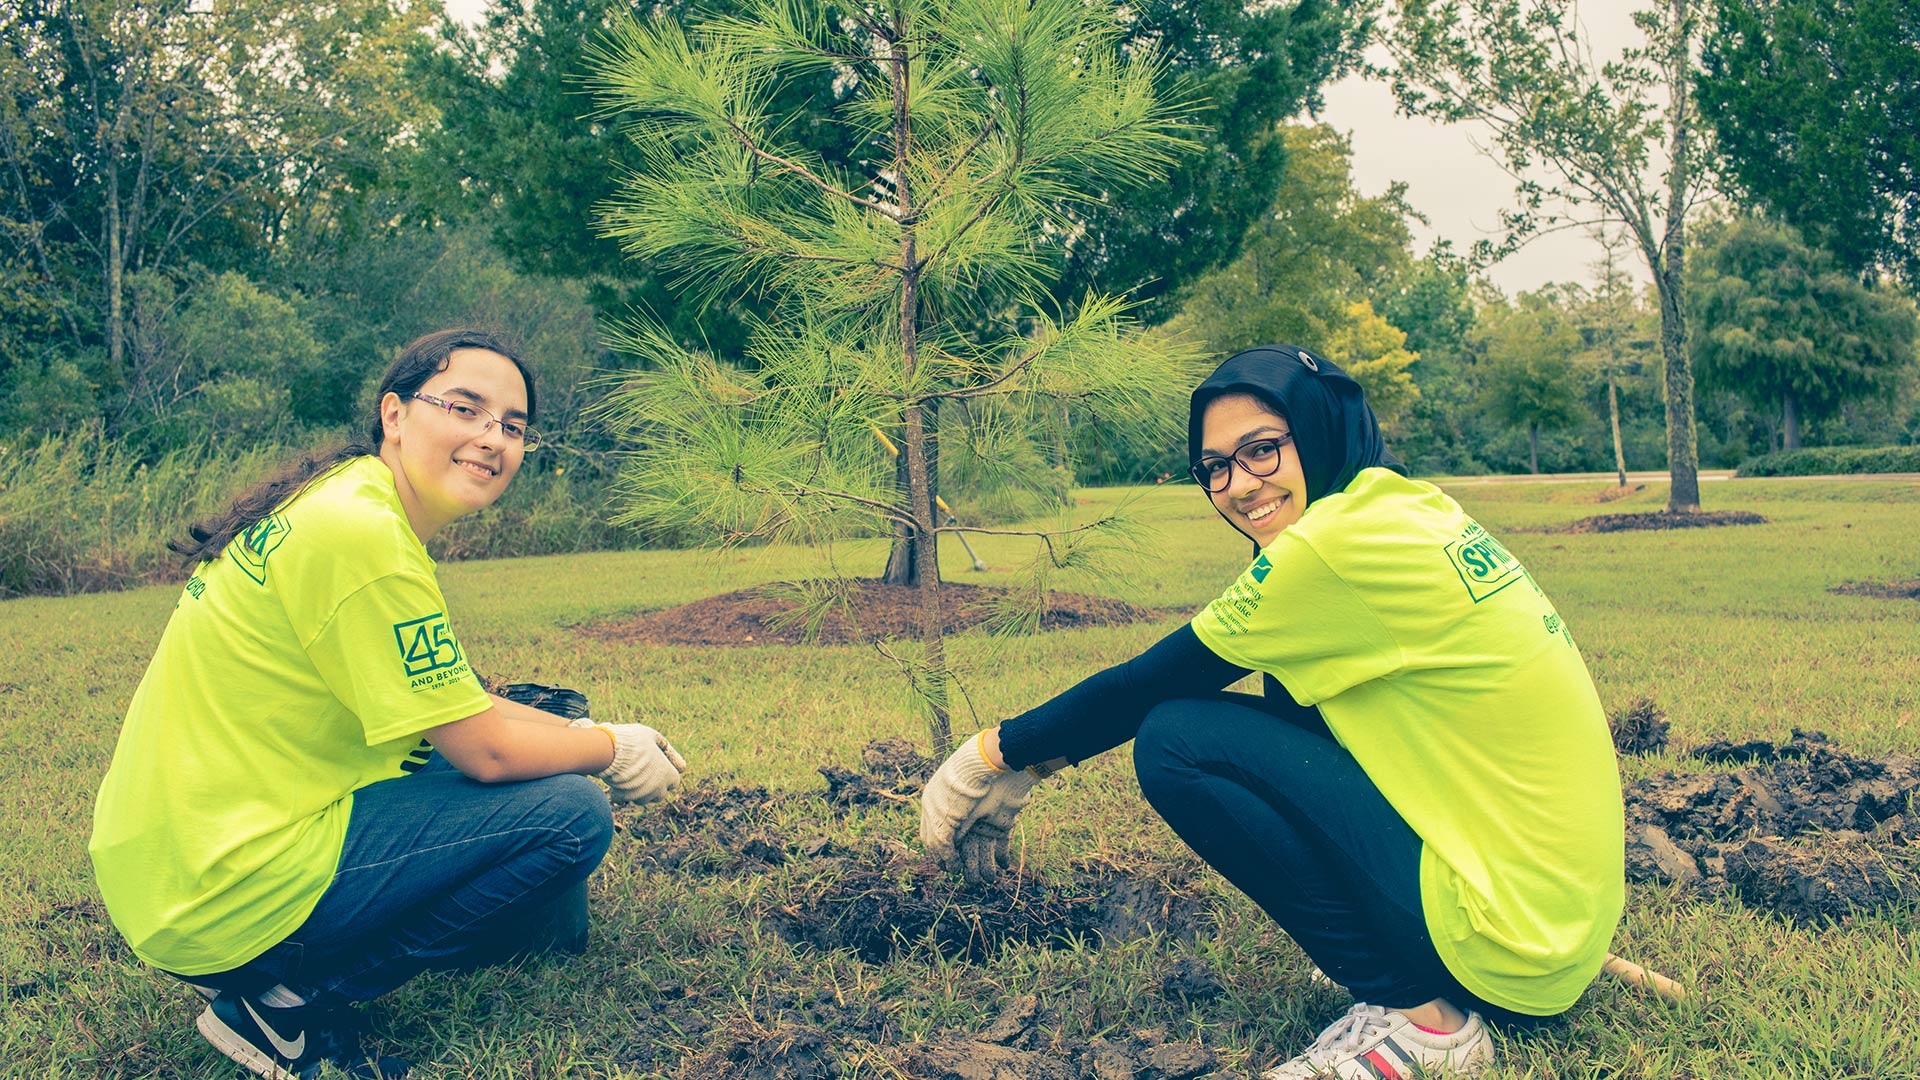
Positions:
(1333, 427)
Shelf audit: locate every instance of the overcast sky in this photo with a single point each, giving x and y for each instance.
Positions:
(1449, 181)
(1458, 189)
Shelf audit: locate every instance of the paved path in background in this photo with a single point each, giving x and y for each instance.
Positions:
(1706, 475)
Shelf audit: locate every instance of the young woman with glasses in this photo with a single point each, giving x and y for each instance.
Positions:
(1425, 798)
(312, 798)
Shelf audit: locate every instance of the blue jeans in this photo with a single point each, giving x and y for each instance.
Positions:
(1262, 792)
(438, 871)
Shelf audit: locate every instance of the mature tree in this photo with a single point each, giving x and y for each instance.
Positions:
(1246, 67)
(990, 116)
(1320, 247)
(1530, 376)
(1619, 139)
(1816, 108)
(1785, 327)
(139, 138)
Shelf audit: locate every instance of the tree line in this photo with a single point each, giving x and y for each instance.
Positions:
(217, 220)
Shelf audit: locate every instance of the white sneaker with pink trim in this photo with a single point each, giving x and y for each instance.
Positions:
(1372, 1043)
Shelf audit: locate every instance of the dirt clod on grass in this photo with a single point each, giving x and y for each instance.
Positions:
(874, 611)
(1805, 829)
(1661, 519)
(891, 771)
(1640, 728)
(1888, 590)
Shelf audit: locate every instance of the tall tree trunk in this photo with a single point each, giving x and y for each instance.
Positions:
(1683, 447)
(1613, 416)
(1533, 447)
(914, 450)
(1789, 423)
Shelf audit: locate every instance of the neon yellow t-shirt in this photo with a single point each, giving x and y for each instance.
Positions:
(1441, 666)
(299, 666)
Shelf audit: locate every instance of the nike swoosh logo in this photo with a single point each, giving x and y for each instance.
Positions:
(289, 1050)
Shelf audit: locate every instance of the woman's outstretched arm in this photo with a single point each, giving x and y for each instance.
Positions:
(1105, 709)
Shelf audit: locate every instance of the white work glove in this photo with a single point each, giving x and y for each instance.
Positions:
(967, 811)
(645, 765)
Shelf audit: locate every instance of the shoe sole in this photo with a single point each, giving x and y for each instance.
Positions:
(225, 1040)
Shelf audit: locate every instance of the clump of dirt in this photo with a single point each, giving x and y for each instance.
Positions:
(1613, 492)
(1640, 728)
(1807, 830)
(872, 612)
(1890, 590)
(711, 827)
(892, 771)
(1017, 1046)
(1661, 519)
(896, 901)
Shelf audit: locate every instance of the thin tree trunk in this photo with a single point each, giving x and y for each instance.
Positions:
(1683, 447)
(1613, 415)
(115, 286)
(1789, 423)
(1533, 448)
(914, 448)
(903, 566)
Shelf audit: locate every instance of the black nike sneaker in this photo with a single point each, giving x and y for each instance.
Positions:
(292, 1043)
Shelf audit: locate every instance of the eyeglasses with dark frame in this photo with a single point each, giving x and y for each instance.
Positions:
(1258, 458)
(470, 414)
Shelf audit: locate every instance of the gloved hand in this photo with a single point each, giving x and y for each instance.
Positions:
(967, 811)
(645, 765)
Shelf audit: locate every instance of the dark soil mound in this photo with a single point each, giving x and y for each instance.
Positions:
(1891, 590)
(1807, 830)
(872, 611)
(881, 897)
(1640, 728)
(897, 901)
(1661, 519)
(891, 771)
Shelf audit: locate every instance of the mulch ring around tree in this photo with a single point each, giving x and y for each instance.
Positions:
(1890, 590)
(1661, 519)
(1801, 828)
(872, 611)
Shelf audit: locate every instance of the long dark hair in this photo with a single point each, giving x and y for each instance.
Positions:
(426, 357)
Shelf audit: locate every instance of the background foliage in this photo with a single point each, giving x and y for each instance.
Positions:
(216, 227)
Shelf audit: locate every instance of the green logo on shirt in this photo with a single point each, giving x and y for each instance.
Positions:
(426, 644)
(1262, 566)
(1485, 567)
(250, 549)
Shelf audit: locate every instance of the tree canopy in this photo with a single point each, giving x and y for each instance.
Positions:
(1815, 105)
(1785, 327)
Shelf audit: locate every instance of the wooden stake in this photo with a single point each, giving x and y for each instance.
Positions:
(1634, 975)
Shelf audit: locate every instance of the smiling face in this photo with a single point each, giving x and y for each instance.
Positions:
(1260, 506)
(443, 467)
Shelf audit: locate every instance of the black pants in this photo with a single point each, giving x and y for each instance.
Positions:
(1260, 789)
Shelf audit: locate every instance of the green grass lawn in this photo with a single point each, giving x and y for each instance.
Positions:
(1732, 631)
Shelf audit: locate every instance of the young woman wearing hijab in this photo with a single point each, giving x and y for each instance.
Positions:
(1425, 798)
(312, 798)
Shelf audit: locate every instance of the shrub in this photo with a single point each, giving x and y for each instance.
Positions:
(82, 513)
(1827, 460)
